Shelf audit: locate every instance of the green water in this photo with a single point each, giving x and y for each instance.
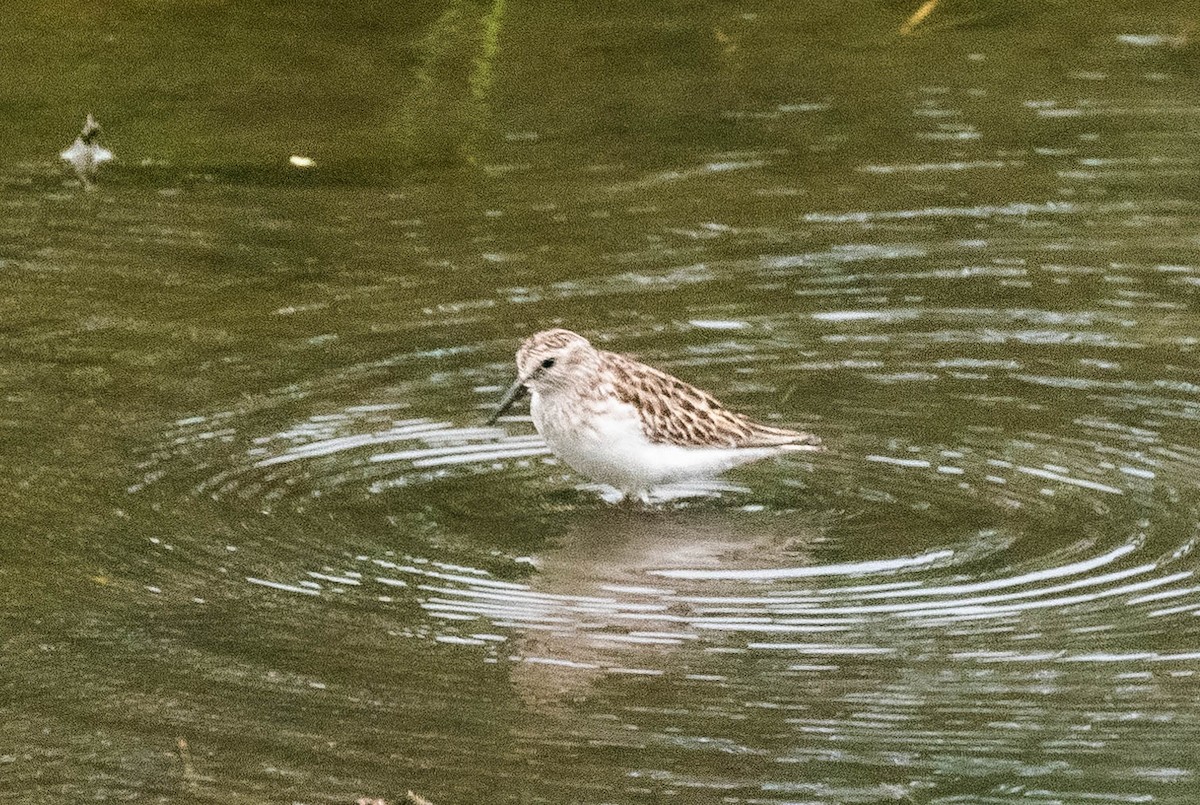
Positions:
(248, 498)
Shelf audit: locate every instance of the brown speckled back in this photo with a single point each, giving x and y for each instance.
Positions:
(675, 412)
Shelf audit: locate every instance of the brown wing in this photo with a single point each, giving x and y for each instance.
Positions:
(675, 412)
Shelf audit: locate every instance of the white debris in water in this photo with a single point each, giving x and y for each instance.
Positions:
(300, 161)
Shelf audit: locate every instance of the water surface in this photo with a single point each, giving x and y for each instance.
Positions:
(261, 547)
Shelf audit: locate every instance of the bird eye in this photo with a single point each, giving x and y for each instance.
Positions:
(546, 364)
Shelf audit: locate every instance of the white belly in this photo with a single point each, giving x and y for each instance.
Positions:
(607, 444)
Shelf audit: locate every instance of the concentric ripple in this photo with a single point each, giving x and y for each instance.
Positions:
(1006, 526)
(263, 549)
(1001, 536)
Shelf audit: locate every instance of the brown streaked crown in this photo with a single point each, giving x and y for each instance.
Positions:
(547, 343)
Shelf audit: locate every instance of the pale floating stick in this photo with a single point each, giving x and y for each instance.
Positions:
(918, 16)
(185, 756)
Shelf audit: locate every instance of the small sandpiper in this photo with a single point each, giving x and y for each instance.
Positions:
(629, 425)
(86, 155)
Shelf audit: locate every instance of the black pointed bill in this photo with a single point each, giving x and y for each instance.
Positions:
(515, 392)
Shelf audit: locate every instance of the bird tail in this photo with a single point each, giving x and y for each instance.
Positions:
(809, 444)
(791, 440)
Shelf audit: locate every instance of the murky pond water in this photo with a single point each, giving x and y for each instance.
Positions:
(261, 548)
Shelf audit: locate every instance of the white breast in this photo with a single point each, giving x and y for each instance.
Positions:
(603, 439)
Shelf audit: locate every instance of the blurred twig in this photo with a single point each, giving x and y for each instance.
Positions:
(920, 14)
(185, 757)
